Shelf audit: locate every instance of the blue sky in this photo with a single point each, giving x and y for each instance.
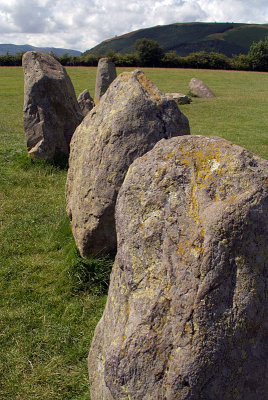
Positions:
(81, 24)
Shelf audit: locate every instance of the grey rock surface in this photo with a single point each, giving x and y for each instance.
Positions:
(51, 112)
(186, 314)
(200, 89)
(179, 97)
(106, 73)
(85, 101)
(130, 119)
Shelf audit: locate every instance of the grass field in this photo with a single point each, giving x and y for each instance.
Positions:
(49, 305)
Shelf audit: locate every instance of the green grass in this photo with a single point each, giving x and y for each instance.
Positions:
(51, 299)
(239, 111)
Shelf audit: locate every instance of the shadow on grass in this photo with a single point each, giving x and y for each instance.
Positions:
(25, 162)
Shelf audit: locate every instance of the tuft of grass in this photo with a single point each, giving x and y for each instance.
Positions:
(92, 274)
(182, 101)
(190, 94)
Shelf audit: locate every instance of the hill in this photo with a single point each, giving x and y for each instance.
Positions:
(12, 49)
(186, 38)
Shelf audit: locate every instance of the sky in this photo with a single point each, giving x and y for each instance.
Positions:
(82, 24)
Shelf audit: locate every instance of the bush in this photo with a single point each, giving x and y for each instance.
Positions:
(171, 60)
(90, 60)
(150, 54)
(258, 55)
(219, 61)
(240, 62)
(129, 60)
(198, 60)
(11, 60)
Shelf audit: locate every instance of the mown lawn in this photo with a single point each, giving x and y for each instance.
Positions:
(49, 304)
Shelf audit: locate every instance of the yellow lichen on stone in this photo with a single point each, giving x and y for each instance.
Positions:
(123, 340)
(206, 162)
(168, 156)
(141, 225)
(197, 250)
(149, 87)
(115, 342)
(125, 76)
(160, 172)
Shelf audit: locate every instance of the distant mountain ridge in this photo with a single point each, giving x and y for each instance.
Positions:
(12, 49)
(185, 38)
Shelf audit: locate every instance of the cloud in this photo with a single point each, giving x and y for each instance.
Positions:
(81, 24)
(248, 11)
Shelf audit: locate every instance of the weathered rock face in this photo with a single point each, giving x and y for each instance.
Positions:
(185, 315)
(106, 73)
(179, 97)
(131, 117)
(200, 89)
(85, 101)
(51, 112)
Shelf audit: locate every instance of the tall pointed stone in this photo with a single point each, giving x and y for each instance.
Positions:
(106, 73)
(51, 112)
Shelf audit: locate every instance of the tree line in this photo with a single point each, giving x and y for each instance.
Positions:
(150, 54)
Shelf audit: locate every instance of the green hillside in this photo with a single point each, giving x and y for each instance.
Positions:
(186, 38)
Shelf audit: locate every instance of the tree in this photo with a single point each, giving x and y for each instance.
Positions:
(258, 55)
(198, 60)
(64, 59)
(218, 61)
(171, 59)
(149, 52)
(240, 62)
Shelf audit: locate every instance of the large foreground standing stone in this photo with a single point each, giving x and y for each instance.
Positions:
(185, 315)
(130, 119)
(200, 89)
(106, 73)
(51, 112)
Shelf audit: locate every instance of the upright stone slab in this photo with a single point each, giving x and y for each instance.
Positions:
(106, 73)
(186, 314)
(200, 89)
(51, 112)
(130, 119)
(85, 101)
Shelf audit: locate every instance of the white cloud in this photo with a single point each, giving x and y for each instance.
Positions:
(248, 11)
(81, 24)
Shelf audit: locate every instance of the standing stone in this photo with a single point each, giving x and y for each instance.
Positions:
(85, 101)
(130, 119)
(186, 314)
(51, 112)
(200, 89)
(106, 73)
